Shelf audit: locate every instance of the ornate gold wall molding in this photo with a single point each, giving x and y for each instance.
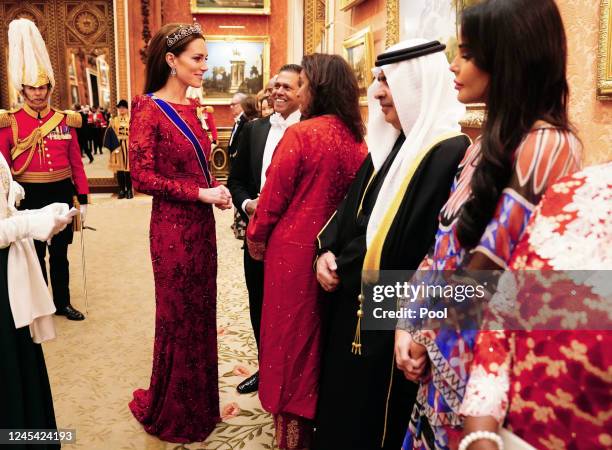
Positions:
(64, 24)
(392, 31)
(121, 45)
(604, 76)
(314, 24)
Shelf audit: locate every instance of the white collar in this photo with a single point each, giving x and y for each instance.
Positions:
(278, 119)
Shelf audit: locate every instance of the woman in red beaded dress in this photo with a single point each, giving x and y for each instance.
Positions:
(311, 170)
(168, 154)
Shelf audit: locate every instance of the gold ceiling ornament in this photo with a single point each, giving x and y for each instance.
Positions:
(86, 23)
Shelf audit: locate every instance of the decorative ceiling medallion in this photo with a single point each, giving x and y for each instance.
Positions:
(86, 23)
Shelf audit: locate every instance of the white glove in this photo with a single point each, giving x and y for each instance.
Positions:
(39, 224)
(59, 209)
(44, 226)
(50, 220)
(17, 193)
(83, 213)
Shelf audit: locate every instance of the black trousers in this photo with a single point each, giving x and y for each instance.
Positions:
(37, 196)
(254, 276)
(85, 148)
(100, 138)
(124, 179)
(59, 268)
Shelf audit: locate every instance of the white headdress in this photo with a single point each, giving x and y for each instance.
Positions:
(28, 59)
(427, 106)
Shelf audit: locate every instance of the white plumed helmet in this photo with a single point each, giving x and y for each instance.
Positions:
(28, 59)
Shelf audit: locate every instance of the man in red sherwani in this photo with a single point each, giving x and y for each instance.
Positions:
(41, 146)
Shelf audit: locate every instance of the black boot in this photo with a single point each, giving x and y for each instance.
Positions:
(121, 181)
(129, 193)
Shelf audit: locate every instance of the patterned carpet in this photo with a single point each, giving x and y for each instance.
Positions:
(99, 167)
(95, 365)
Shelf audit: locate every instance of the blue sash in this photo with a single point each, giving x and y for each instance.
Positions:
(183, 127)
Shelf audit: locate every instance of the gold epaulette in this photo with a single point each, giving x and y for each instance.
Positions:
(73, 119)
(209, 109)
(5, 119)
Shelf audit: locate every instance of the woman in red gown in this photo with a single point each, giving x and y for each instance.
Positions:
(311, 170)
(182, 402)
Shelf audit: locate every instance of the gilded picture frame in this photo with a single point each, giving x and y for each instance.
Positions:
(358, 50)
(399, 17)
(345, 5)
(253, 7)
(604, 76)
(235, 64)
(72, 68)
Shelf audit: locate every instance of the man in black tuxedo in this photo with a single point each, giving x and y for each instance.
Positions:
(258, 140)
(239, 121)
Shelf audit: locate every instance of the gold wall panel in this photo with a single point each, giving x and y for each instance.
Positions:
(123, 91)
(393, 30)
(314, 24)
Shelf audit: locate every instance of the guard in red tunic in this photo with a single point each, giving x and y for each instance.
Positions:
(41, 146)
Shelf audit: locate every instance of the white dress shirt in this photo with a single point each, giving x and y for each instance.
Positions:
(236, 121)
(278, 126)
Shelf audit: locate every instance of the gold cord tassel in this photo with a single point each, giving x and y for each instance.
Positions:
(356, 348)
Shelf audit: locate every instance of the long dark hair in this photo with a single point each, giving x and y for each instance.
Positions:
(158, 69)
(521, 44)
(333, 90)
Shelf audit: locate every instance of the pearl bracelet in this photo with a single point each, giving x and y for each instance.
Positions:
(477, 435)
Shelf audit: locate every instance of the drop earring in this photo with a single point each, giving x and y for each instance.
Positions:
(173, 72)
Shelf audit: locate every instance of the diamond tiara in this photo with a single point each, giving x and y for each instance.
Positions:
(182, 32)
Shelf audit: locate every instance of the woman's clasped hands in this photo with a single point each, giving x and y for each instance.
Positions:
(219, 196)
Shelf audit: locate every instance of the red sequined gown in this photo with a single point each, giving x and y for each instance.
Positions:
(182, 402)
(311, 171)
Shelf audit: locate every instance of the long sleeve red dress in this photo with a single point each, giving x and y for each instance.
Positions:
(311, 170)
(182, 402)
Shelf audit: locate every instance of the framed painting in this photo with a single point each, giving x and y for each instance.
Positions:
(345, 5)
(74, 94)
(72, 68)
(438, 20)
(103, 70)
(358, 50)
(235, 64)
(604, 76)
(261, 7)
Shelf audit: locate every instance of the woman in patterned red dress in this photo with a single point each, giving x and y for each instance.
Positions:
(526, 145)
(168, 155)
(311, 170)
(551, 385)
